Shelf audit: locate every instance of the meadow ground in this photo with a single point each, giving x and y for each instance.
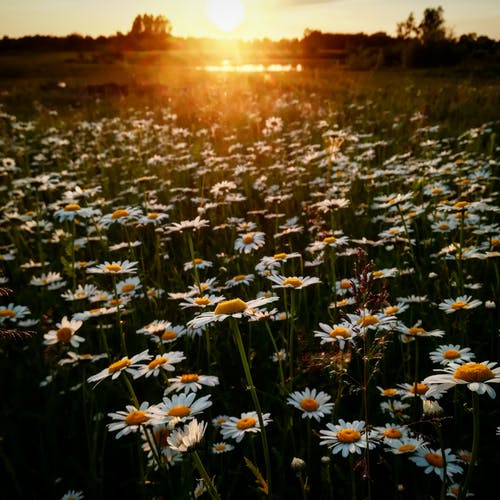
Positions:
(281, 284)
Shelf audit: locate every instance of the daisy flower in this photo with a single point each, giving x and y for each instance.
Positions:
(115, 267)
(311, 403)
(408, 334)
(221, 447)
(411, 390)
(239, 279)
(396, 409)
(368, 320)
(245, 243)
(128, 286)
(201, 302)
(65, 333)
(47, 279)
(191, 382)
(404, 445)
(121, 216)
(236, 428)
(81, 292)
(341, 333)
(450, 353)
(162, 331)
(195, 224)
(197, 263)
(187, 438)
(279, 356)
(73, 495)
(347, 437)
(234, 308)
(450, 306)
(391, 432)
(13, 313)
(296, 282)
(160, 362)
(125, 364)
(477, 377)
(433, 461)
(179, 406)
(130, 420)
(454, 491)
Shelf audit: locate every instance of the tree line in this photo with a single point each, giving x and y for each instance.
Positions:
(428, 43)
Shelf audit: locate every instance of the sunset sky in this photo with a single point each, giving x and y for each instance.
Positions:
(274, 19)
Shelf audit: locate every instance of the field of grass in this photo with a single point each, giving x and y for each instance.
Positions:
(278, 285)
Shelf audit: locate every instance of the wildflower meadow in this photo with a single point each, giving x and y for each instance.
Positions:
(252, 286)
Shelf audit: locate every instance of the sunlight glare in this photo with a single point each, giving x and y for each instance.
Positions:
(227, 15)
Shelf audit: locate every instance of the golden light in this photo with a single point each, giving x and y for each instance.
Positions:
(227, 15)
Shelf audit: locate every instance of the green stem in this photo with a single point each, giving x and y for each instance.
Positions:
(212, 490)
(475, 445)
(255, 399)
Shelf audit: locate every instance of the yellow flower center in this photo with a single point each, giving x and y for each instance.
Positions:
(279, 256)
(168, 335)
(83, 263)
(495, 242)
(415, 330)
(461, 215)
(348, 435)
(152, 216)
(420, 388)
(437, 191)
(295, 282)
(459, 304)
(246, 423)
(473, 372)
(7, 313)
(157, 362)
(114, 268)
(406, 447)
(389, 392)
(64, 334)
(443, 227)
(30, 213)
(230, 306)
(345, 284)
(391, 310)
(202, 301)
(119, 365)
(128, 287)
(197, 261)
(247, 239)
(72, 207)
(119, 213)
(460, 204)
(392, 433)
(434, 459)
(378, 274)
(368, 320)
(136, 417)
(329, 239)
(451, 354)
(394, 230)
(179, 411)
(187, 378)
(220, 447)
(309, 404)
(340, 331)
(239, 277)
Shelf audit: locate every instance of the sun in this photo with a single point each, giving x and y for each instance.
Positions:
(227, 15)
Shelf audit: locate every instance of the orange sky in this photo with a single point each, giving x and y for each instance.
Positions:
(264, 18)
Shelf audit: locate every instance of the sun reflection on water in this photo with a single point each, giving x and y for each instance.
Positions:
(228, 66)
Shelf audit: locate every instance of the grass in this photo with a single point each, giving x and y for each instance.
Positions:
(301, 160)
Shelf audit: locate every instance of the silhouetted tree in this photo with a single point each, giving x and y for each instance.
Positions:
(432, 28)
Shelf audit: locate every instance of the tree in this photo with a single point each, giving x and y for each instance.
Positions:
(432, 27)
(147, 25)
(407, 29)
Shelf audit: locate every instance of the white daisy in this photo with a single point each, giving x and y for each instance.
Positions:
(160, 362)
(236, 428)
(433, 461)
(247, 242)
(311, 403)
(450, 306)
(179, 406)
(191, 382)
(450, 353)
(65, 333)
(130, 420)
(115, 267)
(347, 437)
(477, 377)
(296, 282)
(341, 333)
(187, 438)
(124, 364)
